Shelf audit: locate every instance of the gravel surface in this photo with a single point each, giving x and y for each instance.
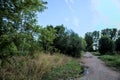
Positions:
(96, 69)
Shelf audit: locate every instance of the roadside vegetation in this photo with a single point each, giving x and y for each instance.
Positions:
(41, 67)
(29, 51)
(112, 61)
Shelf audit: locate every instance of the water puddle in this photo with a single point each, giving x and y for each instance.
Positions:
(86, 70)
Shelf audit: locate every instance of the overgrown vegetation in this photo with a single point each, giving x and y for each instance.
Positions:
(112, 60)
(41, 67)
(22, 41)
(106, 45)
(70, 70)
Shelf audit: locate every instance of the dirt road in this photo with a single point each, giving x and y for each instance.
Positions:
(97, 70)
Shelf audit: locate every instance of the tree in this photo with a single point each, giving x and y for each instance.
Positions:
(117, 45)
(95, 36)
(89, 41)
(111, 33)
(83, 44)
(17, 20)
(46, 38)
(118, 33)
(106, 45)
(106, 32)
(75, 45)
(68, 42)
(61, 37)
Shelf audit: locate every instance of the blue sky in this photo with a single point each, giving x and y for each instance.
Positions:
(82, 15)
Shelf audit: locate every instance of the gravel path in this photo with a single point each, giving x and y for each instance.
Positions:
(97, 69)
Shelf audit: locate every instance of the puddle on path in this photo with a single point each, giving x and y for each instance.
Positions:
(86, 70)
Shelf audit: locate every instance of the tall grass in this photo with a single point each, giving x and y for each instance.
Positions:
(112, 60)
(29, 68)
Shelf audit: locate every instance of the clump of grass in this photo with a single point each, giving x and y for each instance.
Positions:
(20, 68)
(96, 53)
(37, 68)
(70, 70)
(112, 60)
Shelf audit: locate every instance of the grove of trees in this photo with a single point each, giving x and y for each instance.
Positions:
(21, 35)
(107, 41)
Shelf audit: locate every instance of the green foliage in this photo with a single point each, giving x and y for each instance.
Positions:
(95, 36)
(96, 53)
(111, 33)
(17, 23)
(112, 60)
(67, 71)
(20, 35)
(68, 42)
(61, 38)
(46, 38)
(89, 41)
(117, 45)
(7, 46)
(83, 44)
(75, 45)
(106, 45)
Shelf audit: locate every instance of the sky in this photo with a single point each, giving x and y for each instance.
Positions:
(81, 15)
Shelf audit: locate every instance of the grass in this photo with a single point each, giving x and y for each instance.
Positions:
(112, 60)
(67, 71)
(96, 53)
(41, 67)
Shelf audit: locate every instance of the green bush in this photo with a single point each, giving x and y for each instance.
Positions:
(8, 50)
(68, 42)
(117, 45)
(106, 45)
(108, 58)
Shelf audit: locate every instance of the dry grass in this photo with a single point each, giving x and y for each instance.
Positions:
(27, 68)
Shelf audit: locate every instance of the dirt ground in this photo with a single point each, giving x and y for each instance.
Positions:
(97, 70)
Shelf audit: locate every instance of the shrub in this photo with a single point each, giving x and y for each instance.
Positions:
(106, 45)
(117, 45)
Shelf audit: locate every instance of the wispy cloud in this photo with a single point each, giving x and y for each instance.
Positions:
(73, 19)
(69, 3)
(100, 16)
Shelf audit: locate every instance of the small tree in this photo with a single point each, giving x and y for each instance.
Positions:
(106, 45)
(89, 41)
(47, 37)
(117, 45)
